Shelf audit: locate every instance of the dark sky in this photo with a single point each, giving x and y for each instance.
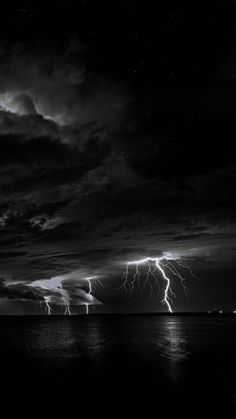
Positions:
(117, 132)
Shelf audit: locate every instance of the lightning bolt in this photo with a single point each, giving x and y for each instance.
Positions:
(89, 279)
(57, 291)
(66, 301)
(163, 265)
(67, 310)
(55, 286)
(48, 308)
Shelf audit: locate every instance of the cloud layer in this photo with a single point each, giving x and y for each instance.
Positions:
(85, 186)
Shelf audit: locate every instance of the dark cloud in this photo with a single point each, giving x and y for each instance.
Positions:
(18, 291)
(50, 79)
(96, 171)
(27, 126)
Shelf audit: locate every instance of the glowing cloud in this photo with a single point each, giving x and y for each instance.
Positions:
(19, 103)
(66, 290)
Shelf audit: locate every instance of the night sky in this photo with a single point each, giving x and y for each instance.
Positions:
(117, 135)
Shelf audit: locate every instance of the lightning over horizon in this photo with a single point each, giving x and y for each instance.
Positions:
(67, 290)
(48, 307)
(89, 280)
(66, 300)
(54, 285)
(139, 274)
(156, 265)
(89, 293)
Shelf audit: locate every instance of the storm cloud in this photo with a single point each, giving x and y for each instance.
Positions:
(96, 171)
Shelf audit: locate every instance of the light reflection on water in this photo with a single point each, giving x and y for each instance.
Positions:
(149, 359)
(172, 343)
(159, 341)
(65, 339)
(163, 341)
(172, 346)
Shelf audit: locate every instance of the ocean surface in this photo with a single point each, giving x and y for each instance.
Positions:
(118, 367)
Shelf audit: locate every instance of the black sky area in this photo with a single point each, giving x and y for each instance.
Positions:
(117, 135)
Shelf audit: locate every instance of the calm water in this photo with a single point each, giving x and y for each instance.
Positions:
(118, 367)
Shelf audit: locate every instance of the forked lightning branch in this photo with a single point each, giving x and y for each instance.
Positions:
(154, 268)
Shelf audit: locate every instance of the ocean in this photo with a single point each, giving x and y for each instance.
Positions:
(118, 366)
